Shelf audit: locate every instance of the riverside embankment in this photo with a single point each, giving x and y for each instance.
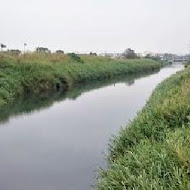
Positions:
(153, 151)
(39, 73)
(58, 141)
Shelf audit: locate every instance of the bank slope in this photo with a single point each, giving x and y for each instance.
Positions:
(37, 74)
(153, 152)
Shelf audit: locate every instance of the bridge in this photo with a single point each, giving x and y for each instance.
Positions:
(181, 59)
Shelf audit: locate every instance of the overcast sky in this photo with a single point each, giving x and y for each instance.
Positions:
(96, 25)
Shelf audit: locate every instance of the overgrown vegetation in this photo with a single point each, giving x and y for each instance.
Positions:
(37, 72)
(153, 152)
(187, 64)
(75, 57)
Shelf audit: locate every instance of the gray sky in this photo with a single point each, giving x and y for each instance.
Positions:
(96, 25)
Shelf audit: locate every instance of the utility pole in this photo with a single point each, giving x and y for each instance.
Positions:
(24, 50)
(25, 47)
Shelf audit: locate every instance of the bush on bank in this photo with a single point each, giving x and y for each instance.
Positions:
(153, 152)
(36, 73)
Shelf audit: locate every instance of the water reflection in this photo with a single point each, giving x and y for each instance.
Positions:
(30, 103)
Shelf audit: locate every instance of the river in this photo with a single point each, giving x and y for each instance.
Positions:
(58, 141)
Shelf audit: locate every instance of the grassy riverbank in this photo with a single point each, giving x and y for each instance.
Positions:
(38, 73)
(153, 152)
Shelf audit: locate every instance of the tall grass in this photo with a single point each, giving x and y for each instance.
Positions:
(36, 73)
(153, 152)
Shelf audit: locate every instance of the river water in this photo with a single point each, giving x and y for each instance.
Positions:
(57, 142)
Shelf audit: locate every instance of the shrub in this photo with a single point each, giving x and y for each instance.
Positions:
(75, 57)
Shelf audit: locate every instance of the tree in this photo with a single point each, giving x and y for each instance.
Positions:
(2, 46)
(129, 54)
(42, 50)
(60, 51)
(94, 54)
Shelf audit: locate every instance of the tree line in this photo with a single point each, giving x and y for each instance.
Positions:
(127, 54)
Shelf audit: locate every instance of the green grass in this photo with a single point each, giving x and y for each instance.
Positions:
(36, 73)
(153, 152)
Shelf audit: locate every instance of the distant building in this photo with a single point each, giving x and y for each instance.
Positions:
(106, 54)
(111, 55)
(15, 52)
